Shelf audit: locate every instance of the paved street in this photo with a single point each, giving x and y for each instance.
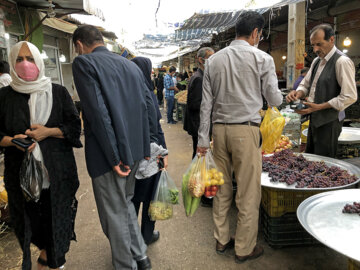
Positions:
(185, 243)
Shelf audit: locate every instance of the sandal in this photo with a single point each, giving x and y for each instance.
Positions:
(42, 262)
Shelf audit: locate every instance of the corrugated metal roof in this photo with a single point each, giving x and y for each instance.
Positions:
(203, 26)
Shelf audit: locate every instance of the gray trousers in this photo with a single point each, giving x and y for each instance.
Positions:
(118, 218)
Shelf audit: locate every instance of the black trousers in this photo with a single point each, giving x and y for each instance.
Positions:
(144, 192)
(323, 140)
(195, 142)
(41, 227)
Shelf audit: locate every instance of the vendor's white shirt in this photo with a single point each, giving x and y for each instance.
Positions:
(5, 80)
(345, 76)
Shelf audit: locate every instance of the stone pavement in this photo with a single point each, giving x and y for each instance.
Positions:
(185, 243)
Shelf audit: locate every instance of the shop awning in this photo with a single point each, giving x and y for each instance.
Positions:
(202, 26)
(64, 7)
(58, 24)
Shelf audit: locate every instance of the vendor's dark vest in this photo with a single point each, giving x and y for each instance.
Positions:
(326, 89)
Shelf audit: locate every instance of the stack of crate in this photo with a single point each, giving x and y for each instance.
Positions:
(278, 217)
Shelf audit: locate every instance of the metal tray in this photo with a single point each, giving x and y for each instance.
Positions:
(352, 169)
(349, 135)
(321, 215)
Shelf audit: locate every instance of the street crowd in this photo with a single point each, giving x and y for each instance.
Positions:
(122, 130)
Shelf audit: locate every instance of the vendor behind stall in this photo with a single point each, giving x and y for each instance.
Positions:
(330, 88)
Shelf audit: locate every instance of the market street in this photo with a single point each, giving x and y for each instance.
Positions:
(185, 243)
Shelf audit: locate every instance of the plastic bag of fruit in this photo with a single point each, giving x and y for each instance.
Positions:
(196, 182)
(161, 208)
(213, 177)
(193, 173)
(271, 129)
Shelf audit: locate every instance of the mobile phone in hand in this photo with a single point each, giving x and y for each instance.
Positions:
(161, 163)
(23, 142)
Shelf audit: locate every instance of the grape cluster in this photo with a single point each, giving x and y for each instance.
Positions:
(287, 167)
(352, 208)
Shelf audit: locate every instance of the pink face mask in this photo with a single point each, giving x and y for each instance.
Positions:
(27, 71)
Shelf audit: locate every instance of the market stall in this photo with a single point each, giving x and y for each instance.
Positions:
(287, 180)
(180, 104)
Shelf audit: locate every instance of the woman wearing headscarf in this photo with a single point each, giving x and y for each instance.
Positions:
(145, 188)
(33, 106)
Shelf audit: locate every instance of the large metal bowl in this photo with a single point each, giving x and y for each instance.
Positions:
(321, 215)
(352, 169)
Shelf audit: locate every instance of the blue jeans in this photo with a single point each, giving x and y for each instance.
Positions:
(170, 108)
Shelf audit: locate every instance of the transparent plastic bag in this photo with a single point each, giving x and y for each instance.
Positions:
(271, 129)
(191, 203)
(212, 176)
(161, 208)
(32, 175)
(196, 184)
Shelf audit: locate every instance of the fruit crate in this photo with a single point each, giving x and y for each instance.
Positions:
(284, 231)
(277, 202)
(353, 265)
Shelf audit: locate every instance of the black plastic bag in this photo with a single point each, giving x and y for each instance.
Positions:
(32, 175)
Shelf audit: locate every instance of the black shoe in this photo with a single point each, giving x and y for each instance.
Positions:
(154, 238)
(206, 202)
(220, 249)
(173, 122)
(144, 264)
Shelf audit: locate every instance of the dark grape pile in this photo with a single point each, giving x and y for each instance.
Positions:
(352, 208)
(285, 166)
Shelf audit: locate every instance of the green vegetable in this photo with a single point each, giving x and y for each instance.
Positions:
(187, 198)
(194, 205)
(174, 196)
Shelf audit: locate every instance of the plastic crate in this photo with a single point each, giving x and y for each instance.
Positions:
(353, 265)
(284, 231)
(277, 202)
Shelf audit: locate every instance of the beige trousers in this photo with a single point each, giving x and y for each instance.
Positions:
(238, 147)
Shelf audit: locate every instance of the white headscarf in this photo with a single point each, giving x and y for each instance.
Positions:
(40, 90)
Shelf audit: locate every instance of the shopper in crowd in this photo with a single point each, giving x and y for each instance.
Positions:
(194, 97)
(170, 90)
(234, 80)
(330, 87)
(5, 78)
(190, 73)
(46, 113)
(145, 188)
(160, 89)
(111, 90)
(192, 111)
(303, 73)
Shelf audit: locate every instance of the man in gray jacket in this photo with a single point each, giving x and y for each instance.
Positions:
(235, 79)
